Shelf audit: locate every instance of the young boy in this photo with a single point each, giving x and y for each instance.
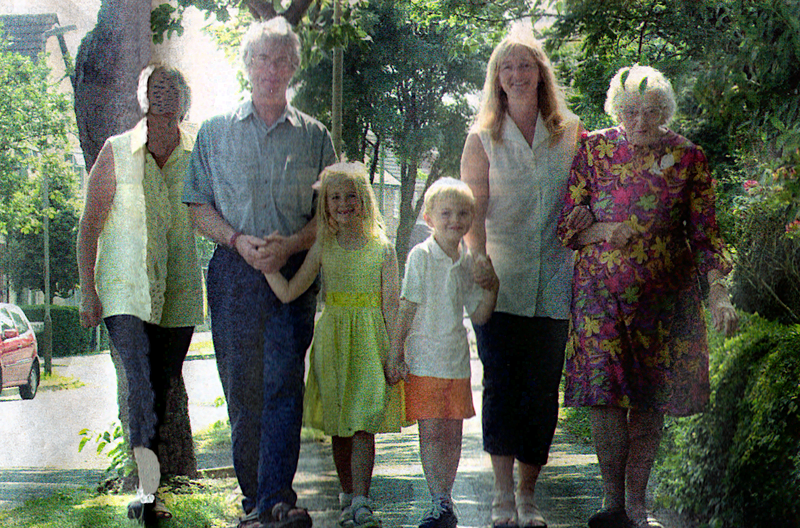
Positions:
(439, 283)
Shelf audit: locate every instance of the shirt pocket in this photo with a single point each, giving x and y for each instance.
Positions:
(291, 188)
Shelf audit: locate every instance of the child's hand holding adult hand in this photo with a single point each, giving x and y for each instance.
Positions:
(483, 273)
(395, 370)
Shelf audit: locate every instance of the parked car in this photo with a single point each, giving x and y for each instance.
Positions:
(19, 357)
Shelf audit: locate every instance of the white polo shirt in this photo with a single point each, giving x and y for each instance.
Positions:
(437, 343)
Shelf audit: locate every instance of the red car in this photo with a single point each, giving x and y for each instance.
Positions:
(18, 352)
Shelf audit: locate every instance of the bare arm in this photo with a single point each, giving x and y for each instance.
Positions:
(212, 225)
(405, 318)
(723, 315)
(484, 310)
(100, 192)
(475, 173)
(390, 300)
(287, 291)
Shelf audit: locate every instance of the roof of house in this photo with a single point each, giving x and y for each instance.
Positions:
(27, 34)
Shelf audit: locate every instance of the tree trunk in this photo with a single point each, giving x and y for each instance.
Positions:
(107, 69)
(408, 216)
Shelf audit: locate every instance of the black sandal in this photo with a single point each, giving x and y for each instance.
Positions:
(610, 519)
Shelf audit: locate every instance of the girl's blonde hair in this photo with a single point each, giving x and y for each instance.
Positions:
(355, 173)
(492, 113)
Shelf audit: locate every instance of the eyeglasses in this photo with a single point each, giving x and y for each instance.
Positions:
(281, 62)
(649, 113)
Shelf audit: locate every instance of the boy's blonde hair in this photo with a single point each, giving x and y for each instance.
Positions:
(355, 173)
(448, 188)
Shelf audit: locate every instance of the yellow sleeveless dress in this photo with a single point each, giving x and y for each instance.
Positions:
(346, 390)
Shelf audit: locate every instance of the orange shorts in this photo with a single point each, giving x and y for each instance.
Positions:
(428, 397)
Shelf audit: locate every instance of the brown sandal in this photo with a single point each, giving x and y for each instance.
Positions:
(284, 515)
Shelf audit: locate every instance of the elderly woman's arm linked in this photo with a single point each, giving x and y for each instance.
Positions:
(100, 191)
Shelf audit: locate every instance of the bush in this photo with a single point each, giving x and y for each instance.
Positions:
(738, 464)
(69, 337)
(767, 276)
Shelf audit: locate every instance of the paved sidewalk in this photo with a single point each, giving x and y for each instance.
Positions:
(568, 492)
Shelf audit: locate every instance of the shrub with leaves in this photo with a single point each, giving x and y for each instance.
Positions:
(738, 464)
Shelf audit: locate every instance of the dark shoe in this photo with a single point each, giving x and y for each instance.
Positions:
(284, 515)
(610, 519)
(440, 516)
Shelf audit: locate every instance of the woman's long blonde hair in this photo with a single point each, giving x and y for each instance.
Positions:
(492, 113)
(355, 173)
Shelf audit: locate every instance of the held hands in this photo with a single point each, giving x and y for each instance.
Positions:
(91, 310)
(483, 273)
(395, 369)
(264, 254)
(723, 314)
(579, 218)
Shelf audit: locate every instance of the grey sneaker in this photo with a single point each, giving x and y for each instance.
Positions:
(441, 515)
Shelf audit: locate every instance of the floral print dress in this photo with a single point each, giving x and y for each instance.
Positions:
(638, 338)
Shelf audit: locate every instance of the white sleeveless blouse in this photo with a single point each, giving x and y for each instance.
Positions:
(527, 185)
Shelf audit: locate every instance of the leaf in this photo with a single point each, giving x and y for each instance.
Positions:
(643, 86)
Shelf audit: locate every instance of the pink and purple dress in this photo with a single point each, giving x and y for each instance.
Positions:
(639, 338)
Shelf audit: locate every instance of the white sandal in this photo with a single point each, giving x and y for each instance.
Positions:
(528, 513)
(504, 510)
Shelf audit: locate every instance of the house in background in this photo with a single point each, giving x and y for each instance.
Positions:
(387, 193)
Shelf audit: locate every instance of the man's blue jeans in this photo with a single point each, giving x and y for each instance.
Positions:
(260, 344)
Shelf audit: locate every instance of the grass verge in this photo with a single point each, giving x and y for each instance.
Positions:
(200, 504)
(56, 381)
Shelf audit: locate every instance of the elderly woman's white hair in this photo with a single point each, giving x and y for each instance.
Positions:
(636, 81)
(276, 30)
(175, 77)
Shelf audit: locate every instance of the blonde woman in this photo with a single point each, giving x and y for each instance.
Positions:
(516, 160)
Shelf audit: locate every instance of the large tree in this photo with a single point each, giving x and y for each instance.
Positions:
(404, 88)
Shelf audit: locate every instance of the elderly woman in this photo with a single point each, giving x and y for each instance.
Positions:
(640, 212)
(516, 160)
(138, 264)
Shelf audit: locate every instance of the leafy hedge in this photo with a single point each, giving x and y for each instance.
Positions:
(738, 464)
(69, 337)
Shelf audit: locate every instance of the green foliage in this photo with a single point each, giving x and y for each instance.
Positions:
(165, 19)
(24, 258)
(762, 227)
(69, 338)
(111, 443)
(738, 464)
(33, 139)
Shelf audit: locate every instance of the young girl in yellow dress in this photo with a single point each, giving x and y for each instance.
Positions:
(352, 390)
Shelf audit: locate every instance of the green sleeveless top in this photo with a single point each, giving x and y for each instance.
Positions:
(146, 259)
